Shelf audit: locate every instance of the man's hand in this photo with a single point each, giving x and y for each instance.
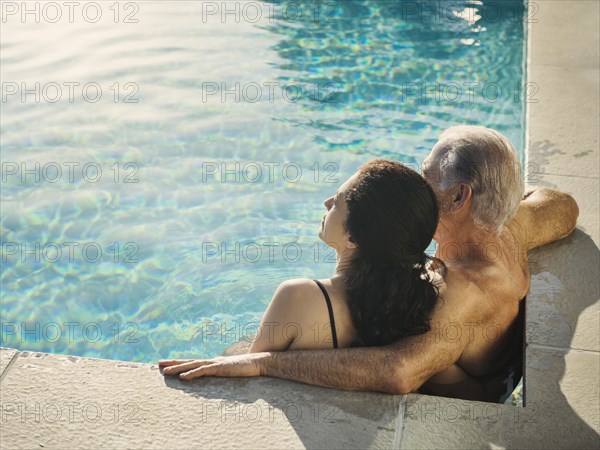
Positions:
(247, 365)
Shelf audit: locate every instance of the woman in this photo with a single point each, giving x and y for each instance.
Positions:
(379, 222)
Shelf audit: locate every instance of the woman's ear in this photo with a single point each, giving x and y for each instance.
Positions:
(349, 243)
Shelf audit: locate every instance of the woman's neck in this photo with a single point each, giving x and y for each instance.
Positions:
(342, 263)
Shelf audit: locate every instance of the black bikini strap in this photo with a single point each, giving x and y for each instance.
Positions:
(329, 307)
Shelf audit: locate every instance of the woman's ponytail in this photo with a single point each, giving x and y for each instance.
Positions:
(392, 217)
(388, 301)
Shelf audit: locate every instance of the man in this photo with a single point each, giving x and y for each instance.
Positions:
(486, 228)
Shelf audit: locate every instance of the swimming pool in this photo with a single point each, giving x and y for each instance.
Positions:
(164, 163)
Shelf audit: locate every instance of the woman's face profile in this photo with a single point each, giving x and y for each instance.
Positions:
(332, 230)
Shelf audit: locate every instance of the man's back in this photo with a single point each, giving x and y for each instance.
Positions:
(499, 289)
(489, 287)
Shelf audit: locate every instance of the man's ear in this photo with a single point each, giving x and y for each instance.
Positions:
(462, 195)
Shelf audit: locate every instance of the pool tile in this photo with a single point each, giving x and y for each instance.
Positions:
(562, 303)
(561, 412)
(6, 355)
(556, 48)
(563, 308)
(117, 404)
(563, 123)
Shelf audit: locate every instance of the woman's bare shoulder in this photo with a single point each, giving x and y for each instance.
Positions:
(298, 288)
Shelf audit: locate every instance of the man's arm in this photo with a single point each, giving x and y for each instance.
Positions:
(394, 369)
(382, 369)
(544, 216)
(368, 369)
(398, 368)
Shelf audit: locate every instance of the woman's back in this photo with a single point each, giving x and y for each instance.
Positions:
(298, 317)
(380, 222)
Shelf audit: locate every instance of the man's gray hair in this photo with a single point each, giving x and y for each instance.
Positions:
(488, 162)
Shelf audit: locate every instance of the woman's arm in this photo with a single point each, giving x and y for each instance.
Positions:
(291, 309)
(298, 319)
(270, 335)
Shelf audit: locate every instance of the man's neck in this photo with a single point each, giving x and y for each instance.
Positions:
(468, 244)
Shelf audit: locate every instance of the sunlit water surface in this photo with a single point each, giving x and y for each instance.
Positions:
(321, 93)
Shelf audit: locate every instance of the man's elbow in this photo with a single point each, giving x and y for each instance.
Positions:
(402, 382)
(573, 212)
(564, 211)
(401, 387)
(570, 212)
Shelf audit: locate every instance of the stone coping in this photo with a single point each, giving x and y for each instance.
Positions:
(55, 401)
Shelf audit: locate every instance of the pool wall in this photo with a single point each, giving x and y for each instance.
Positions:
(56, 401)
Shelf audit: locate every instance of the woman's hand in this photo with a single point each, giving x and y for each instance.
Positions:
(247, 365)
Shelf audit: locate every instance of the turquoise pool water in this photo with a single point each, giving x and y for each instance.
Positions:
(168, 169)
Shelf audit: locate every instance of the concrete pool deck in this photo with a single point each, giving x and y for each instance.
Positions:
(56, 401)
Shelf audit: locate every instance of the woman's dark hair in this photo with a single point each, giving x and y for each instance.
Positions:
(392, 217)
